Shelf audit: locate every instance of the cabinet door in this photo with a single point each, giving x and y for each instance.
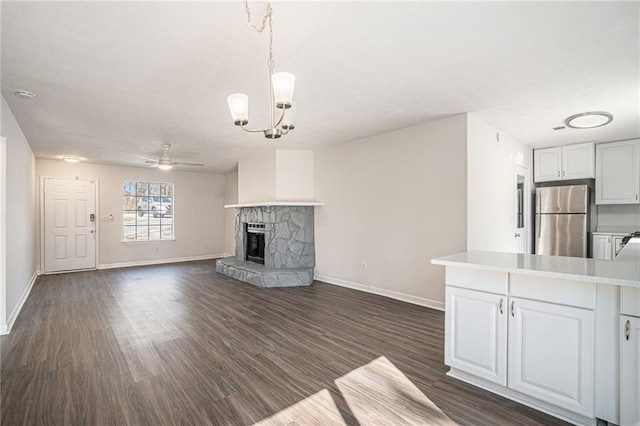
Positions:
(579, 161)
(547, 164)
(630, 371)
(602, 247)
(476, 333)
(551, 353)
(618, 172)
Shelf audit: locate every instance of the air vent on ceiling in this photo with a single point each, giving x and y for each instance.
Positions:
(24, 94)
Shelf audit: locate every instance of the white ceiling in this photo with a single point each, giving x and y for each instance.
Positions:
(117, 79)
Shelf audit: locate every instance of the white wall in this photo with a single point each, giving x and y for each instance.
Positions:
(294, 175)
(230, 197)
(395, 201)
(199, 217)
(619, 218)
(21, 218)
(491, 186)
(256, 179)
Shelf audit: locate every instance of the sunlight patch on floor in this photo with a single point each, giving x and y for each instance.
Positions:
(318, 409)
(378, 393)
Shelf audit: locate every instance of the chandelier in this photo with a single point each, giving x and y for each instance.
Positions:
(282, 108)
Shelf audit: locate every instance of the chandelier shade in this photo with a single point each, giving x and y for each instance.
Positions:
(283, 85)
(239, 107)
(289, 120)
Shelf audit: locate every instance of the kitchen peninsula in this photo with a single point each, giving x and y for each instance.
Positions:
(546, 331)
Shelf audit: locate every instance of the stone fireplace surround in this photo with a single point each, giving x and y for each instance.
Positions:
(289, 255)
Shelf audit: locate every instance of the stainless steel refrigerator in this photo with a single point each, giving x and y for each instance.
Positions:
(562, 220)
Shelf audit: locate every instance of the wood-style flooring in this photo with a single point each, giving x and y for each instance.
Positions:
(180, 344)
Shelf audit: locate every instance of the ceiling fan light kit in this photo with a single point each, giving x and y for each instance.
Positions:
(282, 108)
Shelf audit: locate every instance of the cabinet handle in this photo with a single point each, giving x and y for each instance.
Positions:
(501, 300)
(627, 330)
(564, 173)
(558, 173)
(636, 197)
(513, 302)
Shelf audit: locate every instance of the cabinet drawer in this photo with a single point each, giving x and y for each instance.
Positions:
(474, 279)
(553, 290)
(630, 301)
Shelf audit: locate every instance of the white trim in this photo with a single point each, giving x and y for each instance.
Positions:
(274, 203)
(6, 328)
(416, 300)
(159, 261)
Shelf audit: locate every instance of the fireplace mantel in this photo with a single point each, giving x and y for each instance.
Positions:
(275, 203)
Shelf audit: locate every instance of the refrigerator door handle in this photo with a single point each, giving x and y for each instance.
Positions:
(538, 214)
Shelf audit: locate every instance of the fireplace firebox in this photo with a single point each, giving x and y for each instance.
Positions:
(255, 242)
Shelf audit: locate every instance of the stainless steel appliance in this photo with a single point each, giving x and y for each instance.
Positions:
(630, 250)
(562, 220)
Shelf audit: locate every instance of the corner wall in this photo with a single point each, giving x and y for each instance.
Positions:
(199, 218)
(491, 186)
(230, 197)
(393, 201)
(21, 220)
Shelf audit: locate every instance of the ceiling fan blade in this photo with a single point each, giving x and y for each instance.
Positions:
(154, 160)
(181, 163)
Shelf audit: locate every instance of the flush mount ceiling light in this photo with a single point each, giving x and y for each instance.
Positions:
(24, 94)
(71, 158)
(589, 120)
(281, 86)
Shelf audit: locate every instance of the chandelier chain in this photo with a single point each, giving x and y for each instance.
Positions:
(267, 18)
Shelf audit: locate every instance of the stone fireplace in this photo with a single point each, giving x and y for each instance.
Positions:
(274, 246)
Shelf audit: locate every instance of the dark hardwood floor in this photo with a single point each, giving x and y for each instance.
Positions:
(180, 344)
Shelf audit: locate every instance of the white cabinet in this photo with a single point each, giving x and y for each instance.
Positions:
(602, 247)
(630, 356)
(547, 164)
(629, 371)
(618, 172)
(476, 323)
(606, 246)
(551, 353)
(566, 162)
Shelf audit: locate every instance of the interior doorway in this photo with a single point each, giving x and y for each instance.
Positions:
(521, 213)
(69, 224)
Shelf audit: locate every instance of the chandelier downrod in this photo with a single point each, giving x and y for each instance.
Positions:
(281, 87)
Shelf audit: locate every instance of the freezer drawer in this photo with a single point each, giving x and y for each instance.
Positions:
(563, 199)
(561, 234)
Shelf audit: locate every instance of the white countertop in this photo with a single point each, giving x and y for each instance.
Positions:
(612, 272)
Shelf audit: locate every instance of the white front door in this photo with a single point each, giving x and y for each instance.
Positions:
(69, 225)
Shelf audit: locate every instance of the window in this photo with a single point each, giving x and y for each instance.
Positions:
(148, 211)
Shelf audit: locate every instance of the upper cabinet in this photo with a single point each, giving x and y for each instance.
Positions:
(618, 172)
(566, 162)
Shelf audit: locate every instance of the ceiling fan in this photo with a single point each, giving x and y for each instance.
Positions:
(165, 162)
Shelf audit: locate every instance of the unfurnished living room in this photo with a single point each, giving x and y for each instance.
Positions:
(319, 213)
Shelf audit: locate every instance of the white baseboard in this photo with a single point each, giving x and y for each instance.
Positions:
(433, 304)
(159, 261)
(6, 328)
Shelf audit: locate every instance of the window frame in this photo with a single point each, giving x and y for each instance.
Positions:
(123, 211)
